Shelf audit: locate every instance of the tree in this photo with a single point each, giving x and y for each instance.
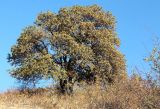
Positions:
(76, 44)
(154, 61)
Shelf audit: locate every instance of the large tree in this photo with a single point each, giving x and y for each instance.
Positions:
(76, 44)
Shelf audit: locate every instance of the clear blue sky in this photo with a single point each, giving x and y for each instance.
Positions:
(138, 21)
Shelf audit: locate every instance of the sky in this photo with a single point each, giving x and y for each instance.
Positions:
(138, 23)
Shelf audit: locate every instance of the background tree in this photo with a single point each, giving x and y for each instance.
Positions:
(154, 61)
(76, 44)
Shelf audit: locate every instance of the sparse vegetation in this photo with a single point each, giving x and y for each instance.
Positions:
(127, 94)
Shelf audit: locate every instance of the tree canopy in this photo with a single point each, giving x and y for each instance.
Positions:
(76, 44)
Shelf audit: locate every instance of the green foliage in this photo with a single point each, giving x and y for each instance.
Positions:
(76, 44)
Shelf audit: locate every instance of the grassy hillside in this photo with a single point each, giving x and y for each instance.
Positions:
(127, 94)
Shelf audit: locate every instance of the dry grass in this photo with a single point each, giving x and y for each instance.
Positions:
(127, 94)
